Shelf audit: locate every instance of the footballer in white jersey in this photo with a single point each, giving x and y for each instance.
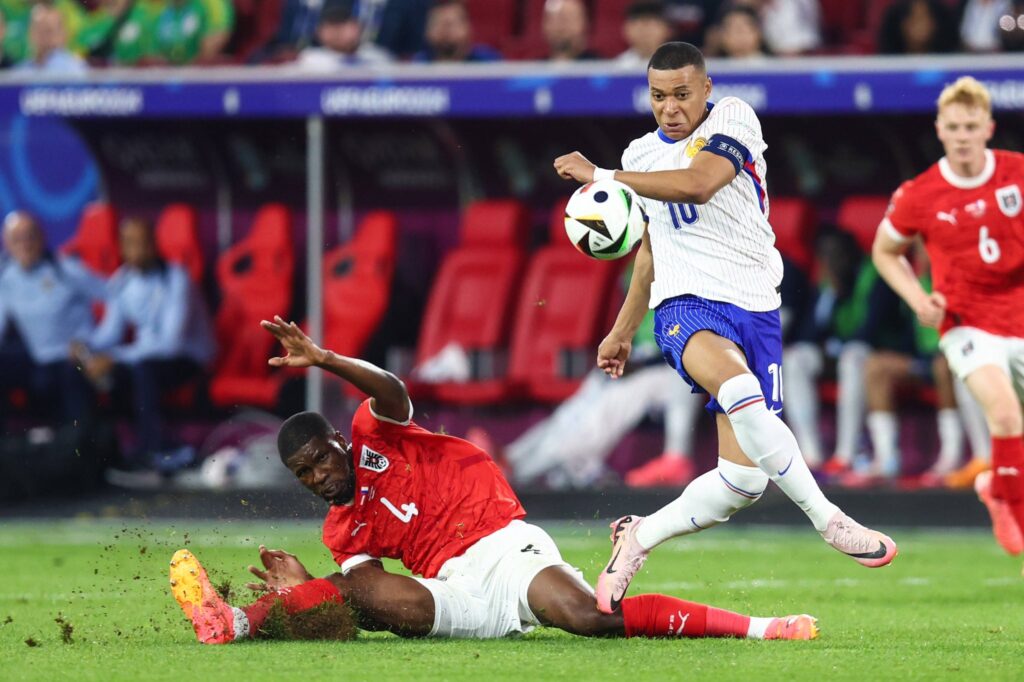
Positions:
(708, 266)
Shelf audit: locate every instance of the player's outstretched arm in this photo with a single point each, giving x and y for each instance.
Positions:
(390, 399)
(615, 348)
(694, 185)
(889, 258)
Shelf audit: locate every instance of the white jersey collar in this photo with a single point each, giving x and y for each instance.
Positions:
(978, 180)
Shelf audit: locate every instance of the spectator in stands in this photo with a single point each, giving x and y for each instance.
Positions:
(220, 23)
(647, 27)
(296, 31)
(48, 40)
(979, 25)
(691, 19)
(565, 27)
(786, 27)
(45, 301)
(171, 340)
(449, 36)
(120, 31)
(739, 34)
(917, 27)
(339, 36)
(5, 60)
(192, 30)
(1011, 28)
(396, 25)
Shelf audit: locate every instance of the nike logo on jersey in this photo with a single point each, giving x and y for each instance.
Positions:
(1007, 471)
(407, 510)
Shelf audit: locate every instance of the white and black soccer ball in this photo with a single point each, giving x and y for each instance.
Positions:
(604, 219)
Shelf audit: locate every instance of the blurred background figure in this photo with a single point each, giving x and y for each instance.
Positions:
(449, 36)
(791, 27)
(1011, 28)
(48, 51)
(171, 342)
(189, 31)
(979, 24)
(691, 19)
(45, 304)
(917, 27)
(5, 60)
(647, 26)
(565, 26)
(120, 32)
(738, 34)
(296, 31)
(339, 42)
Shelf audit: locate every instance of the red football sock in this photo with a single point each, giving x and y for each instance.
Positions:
(294, 599)
(658, 615)
(1008, 468)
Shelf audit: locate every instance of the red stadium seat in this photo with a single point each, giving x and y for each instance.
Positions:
(95, 241)
(493, 20)
(794, 222)
(357, 283)
(256, 22)
(860, 215)
(255, 278)
(606, 33)
(473, 296)
(177, 239)
(562, 303)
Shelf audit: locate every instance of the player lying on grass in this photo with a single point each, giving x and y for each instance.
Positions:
(441, 506)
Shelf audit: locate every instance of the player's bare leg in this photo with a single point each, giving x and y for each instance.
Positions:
(560, 599)
(991, 386)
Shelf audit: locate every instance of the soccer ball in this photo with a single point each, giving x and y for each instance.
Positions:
(604, 220)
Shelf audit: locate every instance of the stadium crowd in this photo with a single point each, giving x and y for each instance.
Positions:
(69, 36)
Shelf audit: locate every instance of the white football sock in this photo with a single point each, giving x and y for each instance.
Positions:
(769, 443)
(758, 626)
(851, 402)
(801, 366)
(709, 499)
(951, 439)
(884, 430)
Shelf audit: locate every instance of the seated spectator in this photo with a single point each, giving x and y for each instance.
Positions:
(646, 28)
(46, 301)
(182, 30)
(738, 34)
(449, 36)
(120, 31)
(398, 26)
(790, 26)
(569, 448)
(171, 342)
(296, 31)
(979, 26)
(220, 23)
(691, 19)
(48, 40)
(565, 27)
(917, 27)
(339, 38)
(5, 60)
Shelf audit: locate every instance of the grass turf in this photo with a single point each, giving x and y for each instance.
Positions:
(89, 601)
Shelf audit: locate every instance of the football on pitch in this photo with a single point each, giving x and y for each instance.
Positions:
(604, 220)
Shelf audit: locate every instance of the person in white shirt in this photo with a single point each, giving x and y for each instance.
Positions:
(48, 44)
(340, 44)
(708, 267)
(646, 28)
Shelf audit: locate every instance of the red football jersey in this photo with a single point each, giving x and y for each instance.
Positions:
(973, 229)
(421, 497)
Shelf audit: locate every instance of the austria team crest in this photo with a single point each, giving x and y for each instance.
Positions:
(1009, 200)
(374, 461)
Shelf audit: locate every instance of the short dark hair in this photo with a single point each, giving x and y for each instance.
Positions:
(643, 9)
(677, 55)
(298, 430)
(337, 13)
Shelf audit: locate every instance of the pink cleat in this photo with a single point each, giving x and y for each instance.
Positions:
(212, 618)
(793, 627)
(867, 547)
(627, 559)
(665, 470)
(1004, 525)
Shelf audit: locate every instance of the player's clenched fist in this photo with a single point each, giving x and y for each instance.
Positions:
(931, 309)
(574, 166)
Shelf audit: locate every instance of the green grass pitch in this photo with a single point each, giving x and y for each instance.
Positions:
(951, 607)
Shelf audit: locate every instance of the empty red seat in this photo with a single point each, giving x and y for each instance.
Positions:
(793, 221)
(606, 36)
(860, 215)
(95, 241)
(177, 239)
(255, 278)
(473, 298)
(357, 283)
(562, 305)
(256, 22)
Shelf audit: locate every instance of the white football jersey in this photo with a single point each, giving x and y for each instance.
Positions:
(723, 250)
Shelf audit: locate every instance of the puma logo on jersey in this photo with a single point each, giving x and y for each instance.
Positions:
(947, 217)
(359, 527)
(374, 461)
(674, 331)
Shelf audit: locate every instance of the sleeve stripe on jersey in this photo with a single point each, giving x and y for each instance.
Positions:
(382, 418)
(893, 233)
(728, 148)
(353, 561)
(750, 170)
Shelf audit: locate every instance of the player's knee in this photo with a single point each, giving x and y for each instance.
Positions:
(1005, 420)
